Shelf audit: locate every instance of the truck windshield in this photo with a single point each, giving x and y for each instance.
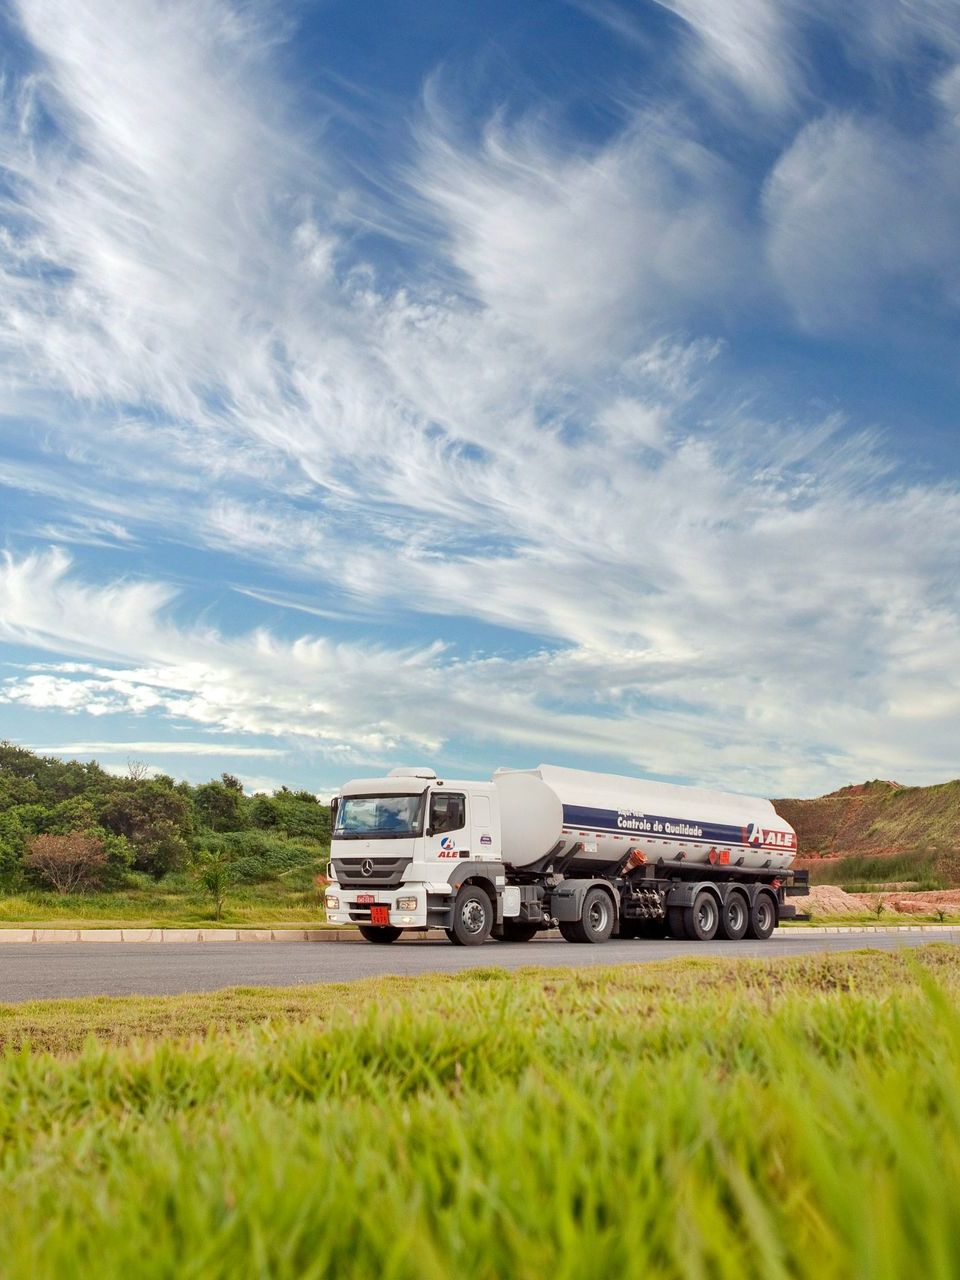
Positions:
(378, 817)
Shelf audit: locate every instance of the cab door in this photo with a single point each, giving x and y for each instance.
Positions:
(447, 834)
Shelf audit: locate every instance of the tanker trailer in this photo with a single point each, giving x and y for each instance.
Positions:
(684, 860)
(595, 855)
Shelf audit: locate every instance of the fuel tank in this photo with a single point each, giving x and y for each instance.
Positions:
(552, 809)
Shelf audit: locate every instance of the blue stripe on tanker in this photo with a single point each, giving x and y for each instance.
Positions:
(606, 821)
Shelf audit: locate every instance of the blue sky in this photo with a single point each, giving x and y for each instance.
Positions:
(480, 385)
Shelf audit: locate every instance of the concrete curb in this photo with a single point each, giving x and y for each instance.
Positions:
(351, 935)
(177, 935)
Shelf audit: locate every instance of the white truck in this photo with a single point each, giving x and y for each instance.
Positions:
(592, 854)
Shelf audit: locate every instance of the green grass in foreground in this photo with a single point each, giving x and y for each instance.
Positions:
(793, 1118)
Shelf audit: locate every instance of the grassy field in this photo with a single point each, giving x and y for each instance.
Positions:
(161, 904)
(923, 869)
(793, 1118)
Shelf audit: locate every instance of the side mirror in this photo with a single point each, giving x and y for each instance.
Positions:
(428, 832)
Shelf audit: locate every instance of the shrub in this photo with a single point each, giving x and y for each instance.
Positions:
(66, 863)
(255, 856)
(212, 873)
(298, 813)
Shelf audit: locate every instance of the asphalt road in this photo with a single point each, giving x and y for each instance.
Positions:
(40, 971)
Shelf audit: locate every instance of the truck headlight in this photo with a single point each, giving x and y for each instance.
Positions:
(406, 904)
(332, 902)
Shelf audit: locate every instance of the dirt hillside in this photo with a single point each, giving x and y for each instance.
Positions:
(876, 818)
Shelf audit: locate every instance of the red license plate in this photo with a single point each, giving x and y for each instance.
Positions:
(379, 915)
(364, 898)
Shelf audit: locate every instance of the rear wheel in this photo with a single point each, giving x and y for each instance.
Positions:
(676, 922)
(762, 917)
(734, 918)
(596, 919)
(472, 917)
(701, 919)
(380, 933)
(516, 931)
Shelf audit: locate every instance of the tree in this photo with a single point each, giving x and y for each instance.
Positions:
(66, 863)
(75, 814)
(155, 820)
(13, 842)
(220, 805)
(297, 813)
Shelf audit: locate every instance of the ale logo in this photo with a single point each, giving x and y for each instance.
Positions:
(447, 843)
(768, 836)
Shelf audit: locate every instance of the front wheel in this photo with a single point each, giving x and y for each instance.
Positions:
(381, 933)
(472, 917)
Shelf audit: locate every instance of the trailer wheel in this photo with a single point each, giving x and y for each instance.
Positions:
(676, 923)
(516, 931)
(763, 917)
(472, 917)
(734, 918)
(702, 919)
(380, 933)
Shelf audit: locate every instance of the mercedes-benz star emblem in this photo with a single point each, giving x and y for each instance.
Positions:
(366, 867)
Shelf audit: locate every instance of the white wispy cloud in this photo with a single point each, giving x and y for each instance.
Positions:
(215, 749)
(574, 246)
(751, 44)
(858, 212)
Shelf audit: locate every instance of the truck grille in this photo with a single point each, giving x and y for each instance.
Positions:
(384, 872)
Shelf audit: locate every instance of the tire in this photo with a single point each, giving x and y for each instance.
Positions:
(596, 919)
(763, 917)
(676, 923)
(734, 918)
(515, 931)
(702, 919)
(380, 933)
(472, 917)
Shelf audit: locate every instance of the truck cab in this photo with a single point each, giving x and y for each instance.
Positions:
(413, 851)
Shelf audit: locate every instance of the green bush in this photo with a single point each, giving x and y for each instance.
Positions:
(256, 856)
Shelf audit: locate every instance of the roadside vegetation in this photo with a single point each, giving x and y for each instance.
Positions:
(926, 868)
(78, 844)
(748, 1119)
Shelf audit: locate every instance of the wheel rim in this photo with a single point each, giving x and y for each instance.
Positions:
(706, 914)
(597, 915)
(764, 915)
(472, 915)
(736, 915)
